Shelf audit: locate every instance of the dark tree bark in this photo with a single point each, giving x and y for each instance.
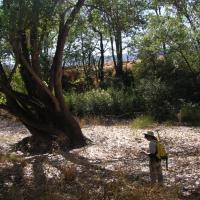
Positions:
(42, 109)
(102, 58)
(119, 66)
(118, 63)
(116, 36)
(113, 52)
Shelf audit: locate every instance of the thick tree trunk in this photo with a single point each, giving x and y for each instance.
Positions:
(61, 129)
(42, 111)
(46, 126)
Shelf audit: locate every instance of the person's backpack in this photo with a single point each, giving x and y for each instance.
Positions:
(161, 152)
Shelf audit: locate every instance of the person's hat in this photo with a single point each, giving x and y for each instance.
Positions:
(150, 134)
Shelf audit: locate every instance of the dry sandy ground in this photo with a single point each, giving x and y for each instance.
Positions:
(121, 147)
(114, 149)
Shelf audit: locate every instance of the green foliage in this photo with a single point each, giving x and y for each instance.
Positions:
(91, 102)
(156, 98)
(169, 52)
(2, 98)
(102, 102)
(142, 121)
(190, 113)
(161, 86)
(125, 101)
(17, 82)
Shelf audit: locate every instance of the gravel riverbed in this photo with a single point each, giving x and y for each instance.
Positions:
(117, 148)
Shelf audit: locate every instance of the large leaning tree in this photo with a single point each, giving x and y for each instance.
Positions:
(41, 108)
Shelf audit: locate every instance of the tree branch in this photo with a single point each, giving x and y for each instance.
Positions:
(56, 68)
(39, 82)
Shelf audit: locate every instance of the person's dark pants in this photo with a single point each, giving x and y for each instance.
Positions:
(155, 171)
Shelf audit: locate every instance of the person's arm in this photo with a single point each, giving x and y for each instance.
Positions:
(144, 151)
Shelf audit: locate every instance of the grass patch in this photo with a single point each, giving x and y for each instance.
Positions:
(143, 121)
(11, 158)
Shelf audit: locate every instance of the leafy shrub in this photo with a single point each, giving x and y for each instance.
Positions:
(161, 85)
(156, 97)
(124, 102)
(102, 102)
(190, 113)
(142, 121)
(2, 98)
(91, 102)
(17, 82)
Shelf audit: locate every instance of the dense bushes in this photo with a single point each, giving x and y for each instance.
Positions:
(91, 102)
(151, 97)
(163, 87)
(156, 97)
(159, 91)
(103, 102)
(190, 113)
(158, 88)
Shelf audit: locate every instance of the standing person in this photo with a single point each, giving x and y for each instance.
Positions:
(154, 163)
